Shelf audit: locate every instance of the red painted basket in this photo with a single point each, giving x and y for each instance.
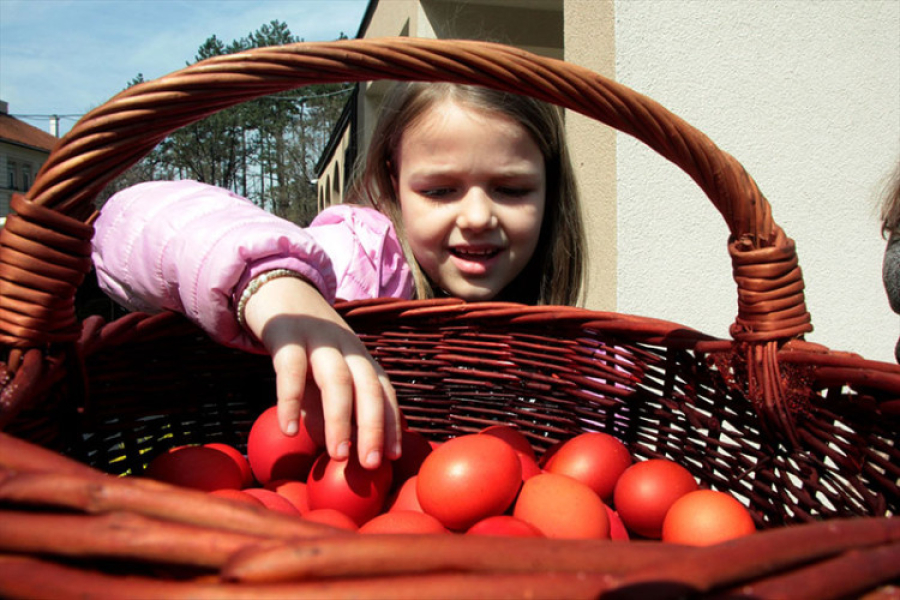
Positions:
(805, 436)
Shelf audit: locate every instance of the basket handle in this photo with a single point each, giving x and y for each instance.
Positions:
(45, 248)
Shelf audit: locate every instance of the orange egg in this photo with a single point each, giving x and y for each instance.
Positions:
(706, 517)
(562, 507)
(333, 517)
(273, 501)
(403, 521)
(504, 525)
(293, 491)
(238, 495)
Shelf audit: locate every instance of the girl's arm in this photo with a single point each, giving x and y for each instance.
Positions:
(194, 248)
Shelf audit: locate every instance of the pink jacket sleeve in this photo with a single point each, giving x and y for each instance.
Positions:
(192, 248)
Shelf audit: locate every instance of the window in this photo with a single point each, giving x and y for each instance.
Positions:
(11, 175)
(26, 177)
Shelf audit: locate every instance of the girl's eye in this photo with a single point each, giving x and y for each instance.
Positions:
(513, 192)
(437, 192)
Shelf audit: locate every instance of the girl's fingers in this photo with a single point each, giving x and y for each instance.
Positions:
(393, 435)
(324, 372)
(336, 387)
(326, 401)
(370, 411)
(290, 367)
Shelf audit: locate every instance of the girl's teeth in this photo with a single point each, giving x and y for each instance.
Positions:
(474, 252)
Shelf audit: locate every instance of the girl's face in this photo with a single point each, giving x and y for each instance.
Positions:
(472, 189)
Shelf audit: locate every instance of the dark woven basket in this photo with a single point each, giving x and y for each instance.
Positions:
(804, 435)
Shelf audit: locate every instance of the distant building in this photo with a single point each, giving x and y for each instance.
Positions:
(23, 150)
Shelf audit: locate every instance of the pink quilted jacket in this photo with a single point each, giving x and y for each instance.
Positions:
(192, 248)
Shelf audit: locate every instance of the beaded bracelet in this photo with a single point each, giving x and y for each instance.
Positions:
(253, 287)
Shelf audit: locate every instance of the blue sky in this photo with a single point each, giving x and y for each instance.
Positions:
(65, 57)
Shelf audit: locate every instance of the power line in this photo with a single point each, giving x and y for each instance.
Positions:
(47, 116)
(314, 96)
(278, 98)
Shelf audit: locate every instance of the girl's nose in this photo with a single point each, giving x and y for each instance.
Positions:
(476, 211)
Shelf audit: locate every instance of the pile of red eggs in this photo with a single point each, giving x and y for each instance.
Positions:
(491, 483)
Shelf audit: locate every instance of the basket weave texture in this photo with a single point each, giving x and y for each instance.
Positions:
(804, 435)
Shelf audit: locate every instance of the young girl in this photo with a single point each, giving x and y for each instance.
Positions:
(466, 192)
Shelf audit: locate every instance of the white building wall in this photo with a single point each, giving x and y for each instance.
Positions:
(806, 95)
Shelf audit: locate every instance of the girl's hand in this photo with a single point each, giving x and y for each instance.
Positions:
(324, 374)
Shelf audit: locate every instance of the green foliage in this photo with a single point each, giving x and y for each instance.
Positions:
(265, 149)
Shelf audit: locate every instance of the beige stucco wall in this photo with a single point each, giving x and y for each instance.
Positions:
(589, 34)
(806, 95)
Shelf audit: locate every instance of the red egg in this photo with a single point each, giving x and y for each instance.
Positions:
(403, 521)
(530, 467)
(273, 501)
(239, 459)
(518, 442)
(617, 530)
(646, 491)
(595, 459)
(562, 508)
(549, 452)
(467, 479)
(504, 525)
(294, 491)
(415, 447)
(405, 498)
(705, 517)
(196, 467)
(347, 486)
(330, 516)
(273, 455)
(513, 437)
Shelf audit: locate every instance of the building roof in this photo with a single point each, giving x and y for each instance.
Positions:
(18, 132)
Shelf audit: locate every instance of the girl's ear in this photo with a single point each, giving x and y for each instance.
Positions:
(394, 183)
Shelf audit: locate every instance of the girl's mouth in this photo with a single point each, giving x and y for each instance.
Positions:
(474, 253)
(474, 261)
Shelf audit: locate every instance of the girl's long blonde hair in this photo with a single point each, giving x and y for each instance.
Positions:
(890, 206)
(556, 272)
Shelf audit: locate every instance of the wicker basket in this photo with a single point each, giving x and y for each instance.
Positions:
(805, 436)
